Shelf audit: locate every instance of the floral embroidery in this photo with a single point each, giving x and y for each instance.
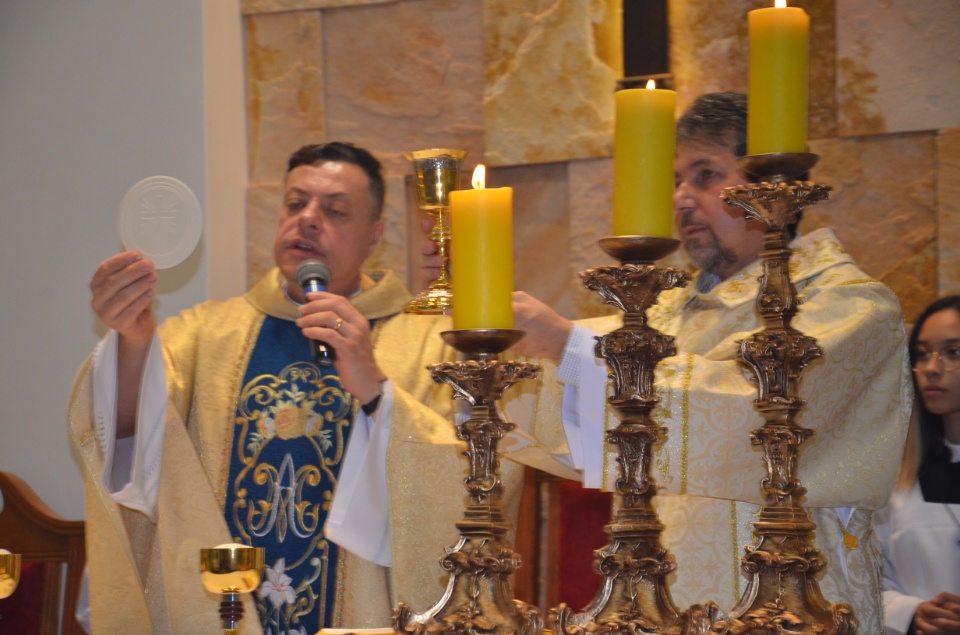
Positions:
(288, 407)
(289, 436)
(277, 585)
(289, 419)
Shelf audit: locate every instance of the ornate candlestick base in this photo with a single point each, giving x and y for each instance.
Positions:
(9, 573)
(783, 595)
(635, 597)
(479, 597)
(231, 570)
(438, 174)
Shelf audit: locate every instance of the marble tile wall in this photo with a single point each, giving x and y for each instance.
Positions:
(549, 92)
(948, 211)
(527, 86)
(883, 208)
(897, 65)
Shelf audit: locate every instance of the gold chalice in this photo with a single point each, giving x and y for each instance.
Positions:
(9, 573)
(438, 174)
(230, 570)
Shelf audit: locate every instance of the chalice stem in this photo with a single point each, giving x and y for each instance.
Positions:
(441, 237)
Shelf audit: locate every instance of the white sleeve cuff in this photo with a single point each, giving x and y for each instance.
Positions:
(584, 376)
(131, 467)
(568, 371)
(359, 519)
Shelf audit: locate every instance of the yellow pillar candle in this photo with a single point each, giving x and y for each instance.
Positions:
(777, 101)
(481, 255)
(643, 153)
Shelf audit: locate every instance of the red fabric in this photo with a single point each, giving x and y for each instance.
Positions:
(20, 613)
(583, 515)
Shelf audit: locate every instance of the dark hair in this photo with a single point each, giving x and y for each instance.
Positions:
(719, 118)
(932, 433)
(345, 153)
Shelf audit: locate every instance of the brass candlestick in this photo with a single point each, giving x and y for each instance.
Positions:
(634, 597)
(9, 573)
(438, 174)
(782, 595)
(230, 571)
(479, 596)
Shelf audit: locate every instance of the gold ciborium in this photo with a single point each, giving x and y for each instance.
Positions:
(229, 571)
(9, 573)
(438, 174)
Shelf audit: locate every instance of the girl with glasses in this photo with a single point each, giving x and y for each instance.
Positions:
(920, 526)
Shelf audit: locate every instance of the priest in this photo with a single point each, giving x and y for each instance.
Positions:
(858, 395)
(222, 425)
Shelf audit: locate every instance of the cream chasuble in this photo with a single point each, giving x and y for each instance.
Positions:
(145, 577)
(858, 400)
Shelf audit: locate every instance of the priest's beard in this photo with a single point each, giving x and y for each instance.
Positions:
(707, 254)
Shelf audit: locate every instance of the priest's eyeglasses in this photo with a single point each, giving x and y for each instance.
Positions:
(948, 356)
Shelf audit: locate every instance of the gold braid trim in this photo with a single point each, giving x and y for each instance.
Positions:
(685, 428)
(230, 409)
(849, 283)
(735, 548)
(336, 619)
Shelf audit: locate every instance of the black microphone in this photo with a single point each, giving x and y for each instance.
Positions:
(313, 275)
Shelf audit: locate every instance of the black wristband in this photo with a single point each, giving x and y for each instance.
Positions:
(371, 406)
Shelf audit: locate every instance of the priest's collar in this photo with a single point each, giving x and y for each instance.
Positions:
(286, 292)
(706, 281)
(812, 254)
(382, 294)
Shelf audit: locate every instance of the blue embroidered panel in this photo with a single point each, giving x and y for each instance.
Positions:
(292, 425)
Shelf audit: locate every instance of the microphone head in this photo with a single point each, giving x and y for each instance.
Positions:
(312, 269)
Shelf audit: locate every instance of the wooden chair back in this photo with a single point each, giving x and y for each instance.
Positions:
(30, 528)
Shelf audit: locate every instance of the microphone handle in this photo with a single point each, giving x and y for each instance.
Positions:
(323, 354)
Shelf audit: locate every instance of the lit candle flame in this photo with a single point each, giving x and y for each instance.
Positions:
(780, 4)
(651, 84)
(479, 177)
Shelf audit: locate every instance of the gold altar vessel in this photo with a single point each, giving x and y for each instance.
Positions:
(479, 597)
(782, 595)
(229, 571)
(634, 597)
(438, 173)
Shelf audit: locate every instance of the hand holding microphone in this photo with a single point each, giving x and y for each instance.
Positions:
(313, 275)
(357, 364)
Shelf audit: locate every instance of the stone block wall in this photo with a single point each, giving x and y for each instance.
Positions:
(526, 87)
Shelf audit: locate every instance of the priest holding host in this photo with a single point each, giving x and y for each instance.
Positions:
(220, 425)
